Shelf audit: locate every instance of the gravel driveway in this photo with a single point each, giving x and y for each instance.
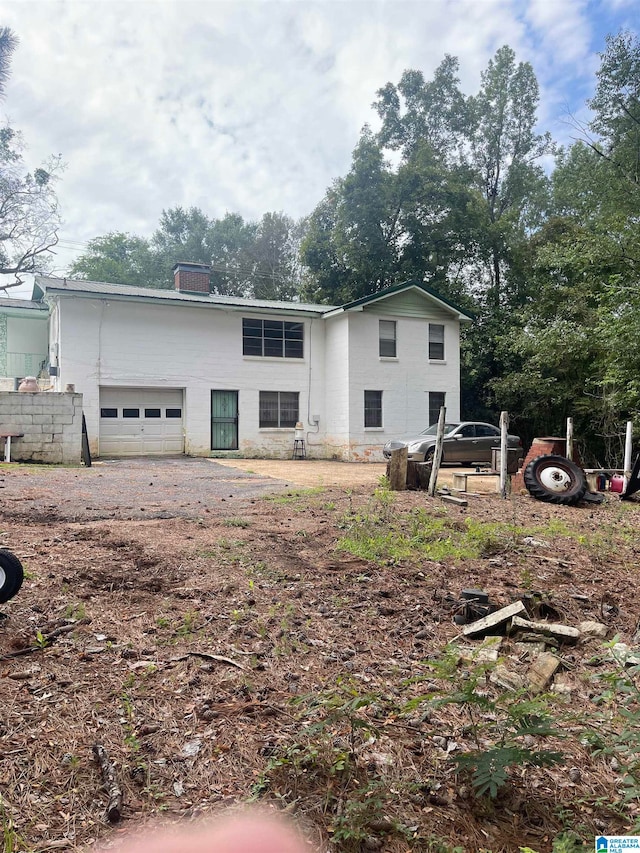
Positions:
(140, 488)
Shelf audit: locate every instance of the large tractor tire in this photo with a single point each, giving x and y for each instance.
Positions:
(555, 480)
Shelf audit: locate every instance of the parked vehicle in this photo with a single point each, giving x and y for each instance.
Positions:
(467, 443)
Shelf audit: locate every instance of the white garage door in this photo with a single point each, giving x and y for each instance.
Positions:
(141, 421)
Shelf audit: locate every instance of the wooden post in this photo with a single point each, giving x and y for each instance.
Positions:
(398, 469)
(437, 456)
(628, 443)
(504, 432)
(569, 451)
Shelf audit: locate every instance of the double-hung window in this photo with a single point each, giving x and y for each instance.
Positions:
(436, 402)
(279, 409)
(372, 409)
(272, 338)
(436, 342)
(387, 335)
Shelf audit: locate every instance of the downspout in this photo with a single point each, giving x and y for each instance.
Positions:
(309, 421)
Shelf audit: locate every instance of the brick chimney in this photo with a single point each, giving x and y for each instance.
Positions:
(192, 278)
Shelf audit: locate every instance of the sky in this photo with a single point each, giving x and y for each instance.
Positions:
(251, 106)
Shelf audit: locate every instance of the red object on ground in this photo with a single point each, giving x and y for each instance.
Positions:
(616, 484)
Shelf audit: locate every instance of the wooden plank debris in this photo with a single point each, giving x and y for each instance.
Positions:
(452, 499)
(553, 629)
(494, 620)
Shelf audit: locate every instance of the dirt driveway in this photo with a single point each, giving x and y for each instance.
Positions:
(307, 472)
(129, 489)
(155, 487)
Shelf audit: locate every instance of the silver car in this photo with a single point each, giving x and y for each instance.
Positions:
(466, 443)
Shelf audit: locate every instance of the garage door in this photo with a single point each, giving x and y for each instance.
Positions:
(141, 421)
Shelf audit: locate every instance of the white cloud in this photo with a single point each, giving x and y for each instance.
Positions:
(251, 105)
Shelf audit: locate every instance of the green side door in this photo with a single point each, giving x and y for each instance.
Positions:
(224, 420)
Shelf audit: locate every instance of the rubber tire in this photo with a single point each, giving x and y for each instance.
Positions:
(13, 575)
(570, 496)
(428, 456)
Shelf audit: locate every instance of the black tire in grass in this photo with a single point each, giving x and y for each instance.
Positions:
(555, 480)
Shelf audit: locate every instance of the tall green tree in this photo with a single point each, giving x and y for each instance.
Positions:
(379, 225)
(120, 258)
(276, 269)
(419, 112)
(505, 151)
(351, 244)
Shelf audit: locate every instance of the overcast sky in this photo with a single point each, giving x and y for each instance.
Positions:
(254, 105)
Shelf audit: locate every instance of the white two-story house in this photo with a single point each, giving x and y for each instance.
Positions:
(187, 371)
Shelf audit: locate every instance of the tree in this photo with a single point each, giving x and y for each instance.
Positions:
(182, 235)
(122, 259)
(29, 216)
(359, 252)
(616, 105)
(504, 150)
(8, 43)
(379, 225)
(416, 112)
(276, 271)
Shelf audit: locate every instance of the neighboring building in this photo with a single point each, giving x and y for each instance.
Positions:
(24, 342)
(186, 371)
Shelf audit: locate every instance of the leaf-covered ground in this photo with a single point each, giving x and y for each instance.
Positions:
(303, 652)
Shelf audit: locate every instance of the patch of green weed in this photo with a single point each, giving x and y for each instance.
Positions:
(417, 535)
(293, 496)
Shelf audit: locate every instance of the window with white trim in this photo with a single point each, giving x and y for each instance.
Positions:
(387, 336)
(279, 409)
(436, 342)
(372, 409)
(272, 338)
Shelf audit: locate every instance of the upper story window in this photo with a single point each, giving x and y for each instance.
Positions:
(436, 341)
(272, 338)
(388, 338)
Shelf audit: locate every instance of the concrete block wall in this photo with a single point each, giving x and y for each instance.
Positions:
(51, 423)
